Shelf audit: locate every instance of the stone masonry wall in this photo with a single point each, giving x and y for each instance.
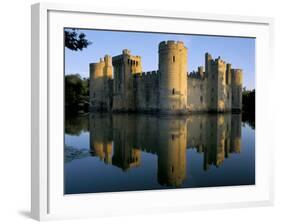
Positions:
(216, 87)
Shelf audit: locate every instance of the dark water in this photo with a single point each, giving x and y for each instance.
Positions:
(106, 153)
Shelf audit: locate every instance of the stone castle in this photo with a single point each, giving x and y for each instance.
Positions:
(170, 89)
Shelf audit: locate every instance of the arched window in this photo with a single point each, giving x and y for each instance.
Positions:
(174, 58)
(173, 91)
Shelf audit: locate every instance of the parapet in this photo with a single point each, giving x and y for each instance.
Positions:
(199, 74)
(148, 75)
(107, 60)
(126, 51)
(171, 44)
(208, 56)
(219, 61)
(97, 65)
(119, 58)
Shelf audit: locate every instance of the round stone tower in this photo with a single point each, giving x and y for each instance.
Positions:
(236, 82)
(173, 77)
(100, 74)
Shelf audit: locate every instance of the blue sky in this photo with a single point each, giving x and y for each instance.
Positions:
(240, 52)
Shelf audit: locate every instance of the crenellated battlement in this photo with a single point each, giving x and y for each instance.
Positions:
(97, 64)
(218, 61)
(171, 44)
(199, 74)
(147, 76)
(170, 89)
(103, 68)
(194, 75)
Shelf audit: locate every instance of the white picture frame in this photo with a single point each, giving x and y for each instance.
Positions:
(48, 201)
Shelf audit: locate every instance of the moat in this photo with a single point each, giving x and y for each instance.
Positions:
(125, 152)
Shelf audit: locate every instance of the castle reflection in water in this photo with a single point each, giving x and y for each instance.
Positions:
(120, 140)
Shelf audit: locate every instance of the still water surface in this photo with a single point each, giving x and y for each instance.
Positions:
(125, 152)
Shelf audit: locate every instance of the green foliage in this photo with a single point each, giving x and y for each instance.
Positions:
(75, 41)
(76, 94)
(76, 124)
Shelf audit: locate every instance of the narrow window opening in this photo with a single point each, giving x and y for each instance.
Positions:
(173, 91)
(174, 58)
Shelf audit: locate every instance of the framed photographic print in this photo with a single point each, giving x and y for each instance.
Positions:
(148, 111)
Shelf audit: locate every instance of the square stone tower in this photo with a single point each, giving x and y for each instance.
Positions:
(125, 67)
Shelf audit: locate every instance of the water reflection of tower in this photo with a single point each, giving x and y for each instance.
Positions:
(218, 140)
(101, 137)
(172, 151)
(236, 133)
(126, 154)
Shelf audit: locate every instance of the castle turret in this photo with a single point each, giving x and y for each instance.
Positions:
(173, 78)
(236, 82)
(107, 70)
(208, 59)
(125, 67)
(201, 71)
(228, 74)
(100, 84)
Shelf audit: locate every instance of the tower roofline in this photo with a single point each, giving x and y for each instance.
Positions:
(170, 44)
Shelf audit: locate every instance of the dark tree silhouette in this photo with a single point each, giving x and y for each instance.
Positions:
(75, 41)
(248, 107)
(76, 94)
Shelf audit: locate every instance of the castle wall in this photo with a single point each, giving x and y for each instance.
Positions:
(197, 94)
(147, 93)
(168, 90)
